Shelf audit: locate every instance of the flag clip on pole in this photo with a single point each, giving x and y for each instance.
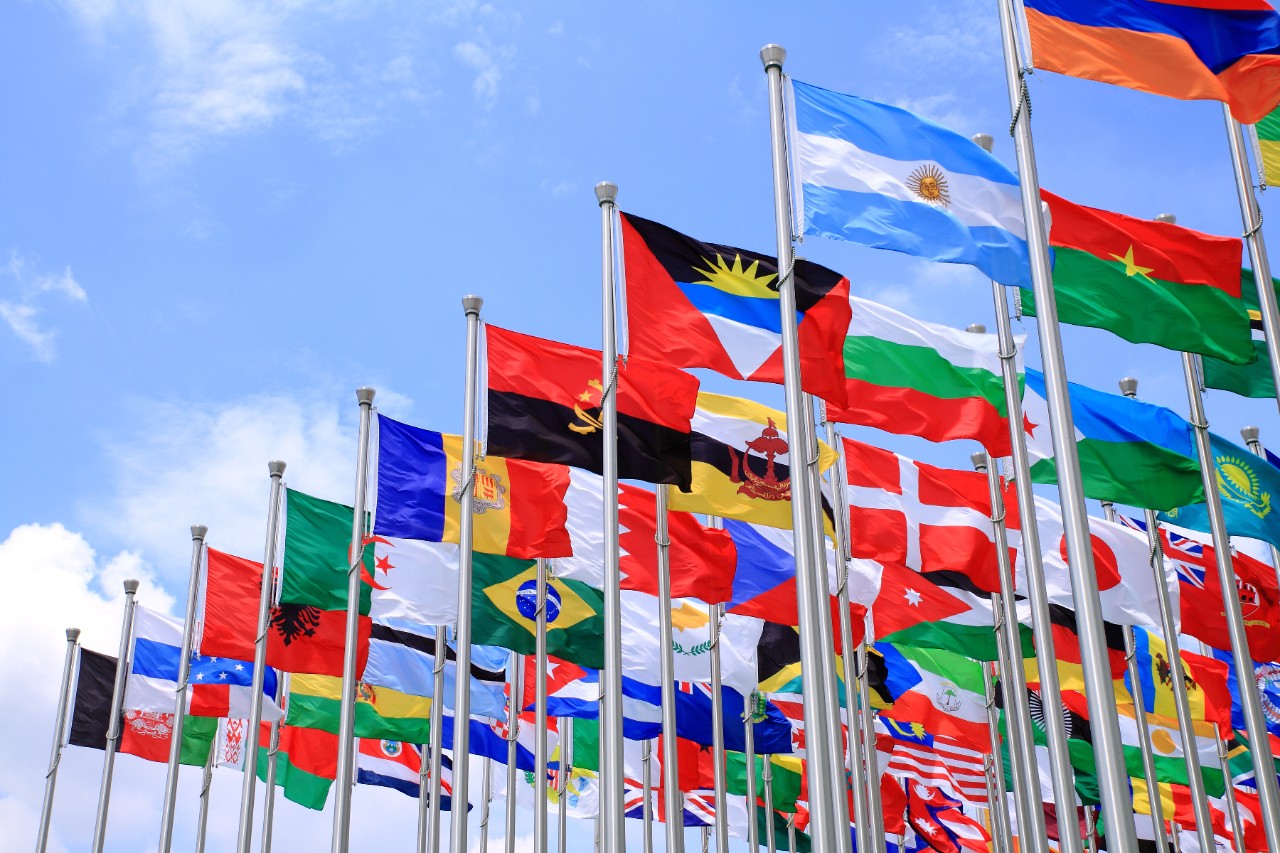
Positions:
(1255, 722)
(1181, 698)
(113, 728)
(429, 818)
(206, 782)
(826, 791)
(1233, 808)
(770, 830)
(59, 735)
(198, 533)
(347, 717)
(612, 775)
(513, 739)
(647, 787)
(1113, 779)
(244, 835)
(540, 718)
(471, 306)
(1252, 438)
(1252, 218)
(997, 794)
(566, 779)
(672, 796)
(749, 743)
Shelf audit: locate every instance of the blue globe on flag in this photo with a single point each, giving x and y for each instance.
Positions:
(527, 601)
(392, 748)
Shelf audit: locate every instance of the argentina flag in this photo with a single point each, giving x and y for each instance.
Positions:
(883, 177)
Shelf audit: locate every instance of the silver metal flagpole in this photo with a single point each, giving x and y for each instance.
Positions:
(1251, 436)
(269, 778)
(429, 834)
(486, 782)
(566, 778)
(1181, 699)
(1252, 218)
(113, 728)
(717, 735)
(513, 738)
(540, 717)
(1013, 677)
(1255, 722)
(673, 797)
(59, 735)
(1113, 779)
(612, 774)
(198, 532)
(749, 738)
(466, 524)
(826, 791)
(857, 748)
(244, 835)
(1090, 824)
(424, 792)
(994, 768)
(347, 716)
(874, 807)
(1140, 717)
(770, 831)
(791, 832)
(1233, 807)
(647, 787)
(202, 822)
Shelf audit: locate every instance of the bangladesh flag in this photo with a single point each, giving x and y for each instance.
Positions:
(1148, 282)
(1248, 380)
(504, 607)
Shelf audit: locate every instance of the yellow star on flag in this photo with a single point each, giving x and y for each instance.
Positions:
(1130, 267)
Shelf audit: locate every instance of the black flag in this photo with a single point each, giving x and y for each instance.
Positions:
(91, 716)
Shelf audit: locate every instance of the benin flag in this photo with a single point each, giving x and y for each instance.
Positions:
(1249, 380)
(504, 605)
(742, 462)
(519, 506)
(315, 702)
(1148, 282)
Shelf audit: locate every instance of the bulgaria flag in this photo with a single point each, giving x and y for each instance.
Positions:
(949, 699)
(914, 378)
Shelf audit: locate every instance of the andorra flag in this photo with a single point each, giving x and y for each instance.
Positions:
(695, 304)
(1215, 50)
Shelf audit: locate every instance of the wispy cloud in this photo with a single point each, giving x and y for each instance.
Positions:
(489, 62)
(27, 295)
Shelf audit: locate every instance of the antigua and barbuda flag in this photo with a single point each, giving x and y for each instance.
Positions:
(884, 177)
(695, 304)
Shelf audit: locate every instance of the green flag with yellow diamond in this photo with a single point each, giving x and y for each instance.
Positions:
(504, 608)
(1249, 487)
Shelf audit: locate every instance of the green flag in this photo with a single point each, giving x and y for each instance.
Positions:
(1247, 380)
(1268, 130)
(317, 540)
(787, 772)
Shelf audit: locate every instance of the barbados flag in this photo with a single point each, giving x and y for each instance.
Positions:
(1217, 50)
(883, 177)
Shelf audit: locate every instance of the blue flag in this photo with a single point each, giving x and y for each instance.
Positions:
(1248, 486)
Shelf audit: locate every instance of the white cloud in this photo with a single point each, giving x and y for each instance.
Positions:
(489, 62)
(27, 294)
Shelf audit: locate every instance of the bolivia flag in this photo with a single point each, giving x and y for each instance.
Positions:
(1148, 282)
(1217, 50)
(315, 702)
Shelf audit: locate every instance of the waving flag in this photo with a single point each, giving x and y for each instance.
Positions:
(936, 761)
(938, 610)
(949, 698)
(695, 304)
(883, 177)
(1250, 380)
(1248, 486)
(404, 661)
(390, 764)
(306, 760)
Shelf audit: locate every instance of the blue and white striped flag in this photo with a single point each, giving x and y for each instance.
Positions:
(884, 177)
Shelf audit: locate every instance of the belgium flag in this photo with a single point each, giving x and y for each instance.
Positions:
(545, 400)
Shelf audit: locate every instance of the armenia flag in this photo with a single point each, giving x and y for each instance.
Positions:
(695, 304)
(1248, 486)
(883, 177)
(1194, 50)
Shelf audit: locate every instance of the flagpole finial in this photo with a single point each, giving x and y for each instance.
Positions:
(199, 531)
(1250, 434)
(607, 192)
(979, 460)
(1129, 386)
(275, 468)
(73, 634)
(1168, 218)
(130, 586)
(985, 141)
(976, 328)
(365, 395)
(773, 54)
(471, 304)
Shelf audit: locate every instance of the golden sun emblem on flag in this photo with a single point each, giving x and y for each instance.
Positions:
(738, 280)
(930, 184)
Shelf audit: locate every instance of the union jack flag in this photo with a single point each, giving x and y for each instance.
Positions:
(1187, 555)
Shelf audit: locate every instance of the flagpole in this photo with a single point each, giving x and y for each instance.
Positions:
(59, 733)
(811, 581)
(514, 707)
(347, 718)
(1181, 699)
(749, 739)
(857, 749)
(198, 532)
(113, 727)
(994, 768)
(1013, 677)
(486, 782)
(202, 822)
(770, 831)
(1255, 722)
(667, 673)
(566, 775)
(717, 734)
(540, 717)
(1233, 808)
(429, 833)
(791, 832)
(1090, 824)
(874, 806)
(269, 780)
(1252, 218)
(1113, 779)
(646, 786)
(244, 834)
(1251, 436)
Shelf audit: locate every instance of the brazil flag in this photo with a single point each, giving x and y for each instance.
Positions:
(504, 608)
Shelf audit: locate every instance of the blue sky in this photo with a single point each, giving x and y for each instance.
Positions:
(220, 217)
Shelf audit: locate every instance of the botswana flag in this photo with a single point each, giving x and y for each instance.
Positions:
(545, 406)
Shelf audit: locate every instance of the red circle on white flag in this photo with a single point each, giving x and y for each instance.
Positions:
(1105, 563)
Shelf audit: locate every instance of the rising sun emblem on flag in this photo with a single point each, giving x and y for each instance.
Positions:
(734, 278)
(930, 184)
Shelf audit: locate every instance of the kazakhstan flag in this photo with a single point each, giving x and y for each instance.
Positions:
(1249, 487)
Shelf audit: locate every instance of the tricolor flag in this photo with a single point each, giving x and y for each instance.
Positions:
(392, 764)
(306, 759)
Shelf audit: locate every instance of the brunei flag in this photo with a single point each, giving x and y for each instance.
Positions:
(1215, 50)
(545, 399)
(695, 304)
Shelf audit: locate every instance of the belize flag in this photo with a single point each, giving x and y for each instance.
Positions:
(883, 177)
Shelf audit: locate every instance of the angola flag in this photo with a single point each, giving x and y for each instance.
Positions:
(695, 304)
(544, 401)
(1148, 282)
